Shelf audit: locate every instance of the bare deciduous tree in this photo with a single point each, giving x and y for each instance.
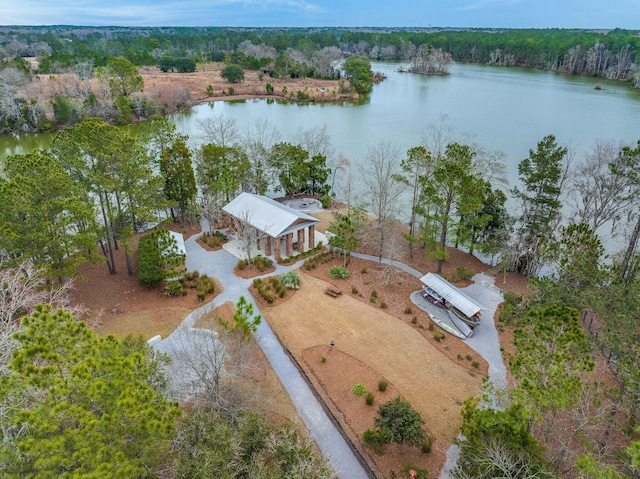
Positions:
(220, 130)
(381, 190)
(247, 235)
(598, 196)
(389, 272)
(258, 139)
(84, 72)
(217, 368)
(22, 287)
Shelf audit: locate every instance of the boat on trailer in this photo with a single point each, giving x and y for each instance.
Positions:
(433, 297)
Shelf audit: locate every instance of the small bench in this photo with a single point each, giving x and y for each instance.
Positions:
(333, 291)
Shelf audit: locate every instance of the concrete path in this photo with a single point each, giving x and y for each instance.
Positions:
(484, 340)
(220, 264)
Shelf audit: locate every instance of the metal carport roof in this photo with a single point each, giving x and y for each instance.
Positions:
(453, 295)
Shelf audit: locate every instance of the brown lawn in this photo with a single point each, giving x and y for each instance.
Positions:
(371, 342)
(372, 345)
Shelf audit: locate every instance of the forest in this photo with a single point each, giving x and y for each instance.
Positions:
(101, 52)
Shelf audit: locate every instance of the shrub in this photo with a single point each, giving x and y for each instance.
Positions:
(207, 285)
(359, 389)
(268, 296)
(363, 271)
(464, 273)
(468, 357)
(209, 90)
(374, 439)
(338, 272)
(354, 290)
(414, 320)
(232, 91)
(269, 88)
(368, 399)
(382, 385)
(459, 357)
(383, 304)
(242, 264)
(438, 336)
(232, 74)
(174, 288)
(475, 364)
(303, 95)
(427, 445)
(262, 263)
(372, 299)
(290, 280)
(512, 298)
(323, 359)
(374, 294)
(431, 327)
(214, 239)
(325, 200)
(408, 310)
(201, 295)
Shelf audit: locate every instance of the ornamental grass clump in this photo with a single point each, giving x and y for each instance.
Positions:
(359, 389)
(338, 272)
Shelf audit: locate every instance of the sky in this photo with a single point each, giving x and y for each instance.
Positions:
(587, 14)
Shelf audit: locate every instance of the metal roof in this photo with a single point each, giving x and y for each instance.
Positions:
(453, 295)
(179, 242)
(267, 215)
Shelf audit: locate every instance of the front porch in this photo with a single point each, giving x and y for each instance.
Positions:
(237, 248)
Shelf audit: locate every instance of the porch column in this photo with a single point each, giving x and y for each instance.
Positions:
(300, 240)
(267, 245)
(257, 239)
(289, 245)
(312, 236)
(276, 248)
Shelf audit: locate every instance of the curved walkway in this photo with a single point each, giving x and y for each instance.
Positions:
(484, 340)
(220, 264)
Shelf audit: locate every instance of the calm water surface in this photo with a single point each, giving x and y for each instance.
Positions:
(499, 108)
(507, 109)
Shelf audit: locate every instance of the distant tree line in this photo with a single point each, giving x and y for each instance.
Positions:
(113, 55)
(610, 54)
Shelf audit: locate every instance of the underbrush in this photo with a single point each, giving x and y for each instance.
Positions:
(270, 289)
(261, 263)
(214, 239)
(321, 258)
(203, 285)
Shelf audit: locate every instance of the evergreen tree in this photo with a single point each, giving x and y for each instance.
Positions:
(80, 405)
(443, 190)
(541, 177)
(179, 180)
(116, 175)
(44, 216)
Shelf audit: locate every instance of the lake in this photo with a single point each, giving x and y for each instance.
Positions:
(506, 109)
